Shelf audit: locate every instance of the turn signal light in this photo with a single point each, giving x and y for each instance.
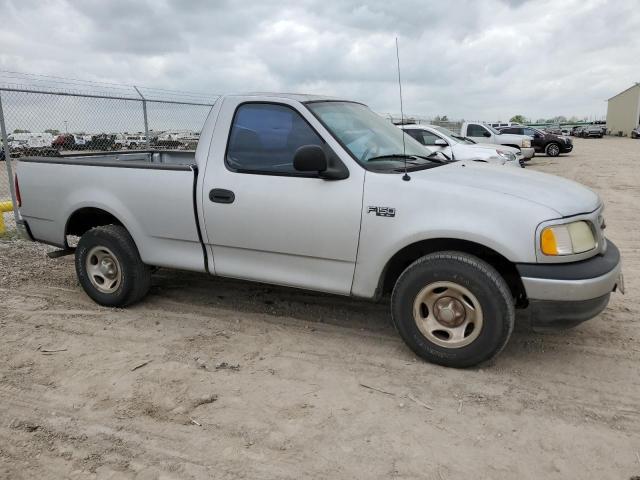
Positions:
(548, 242)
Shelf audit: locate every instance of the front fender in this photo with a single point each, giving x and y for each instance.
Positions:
(427, 210)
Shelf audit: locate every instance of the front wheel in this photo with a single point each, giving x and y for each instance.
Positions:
(109, 267)
(553, 150)
(453, 309)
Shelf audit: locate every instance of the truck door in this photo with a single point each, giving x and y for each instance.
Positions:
(264, 220)
(479, 133)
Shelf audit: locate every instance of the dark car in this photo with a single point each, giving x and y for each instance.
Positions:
(101, 142)
(635, 133)
(64, 142)
(592, 131)
(553, 130)
(543, 142)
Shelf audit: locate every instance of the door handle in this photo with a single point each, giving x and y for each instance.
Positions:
(220, 195)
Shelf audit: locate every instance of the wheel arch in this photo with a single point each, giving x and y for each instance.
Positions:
(85, 218)
(513, 146)
(412, 252)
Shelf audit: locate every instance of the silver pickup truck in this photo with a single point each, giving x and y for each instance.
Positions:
(323, 194)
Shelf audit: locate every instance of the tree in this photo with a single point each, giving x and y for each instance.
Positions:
(518, 119)
(52, 131)
(19, 130)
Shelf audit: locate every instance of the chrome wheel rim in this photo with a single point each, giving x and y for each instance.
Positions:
(103, 269)
(554, 150)
(448, 314)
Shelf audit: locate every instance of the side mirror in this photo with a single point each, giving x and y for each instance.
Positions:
(440, 142)
(310, 158)
(486, 134)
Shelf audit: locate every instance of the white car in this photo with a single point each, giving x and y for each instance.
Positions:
(459, 148)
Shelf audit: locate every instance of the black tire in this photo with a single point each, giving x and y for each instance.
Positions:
(473, 274)
(552, 149)
(134, 276)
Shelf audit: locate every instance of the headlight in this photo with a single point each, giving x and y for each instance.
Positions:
(507, 155)
(526, 143)
(567, 239)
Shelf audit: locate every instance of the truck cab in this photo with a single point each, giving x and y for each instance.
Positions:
(482, 133)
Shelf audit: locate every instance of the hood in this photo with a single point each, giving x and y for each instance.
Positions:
(564, 196)
(494, 147)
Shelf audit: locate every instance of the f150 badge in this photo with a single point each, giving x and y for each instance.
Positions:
(382, 211)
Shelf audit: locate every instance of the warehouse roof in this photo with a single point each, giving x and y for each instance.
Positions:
(637, 84)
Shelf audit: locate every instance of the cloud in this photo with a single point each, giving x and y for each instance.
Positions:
(466, 59)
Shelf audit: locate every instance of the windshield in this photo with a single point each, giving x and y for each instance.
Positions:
(454, 137)
(369, 137)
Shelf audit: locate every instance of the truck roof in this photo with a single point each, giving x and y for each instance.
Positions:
(300, 97)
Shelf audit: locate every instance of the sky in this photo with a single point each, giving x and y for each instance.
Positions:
(477, 60)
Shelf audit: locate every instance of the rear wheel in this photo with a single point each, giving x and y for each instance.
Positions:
(553, 150)
(109, 267)
(453, 309)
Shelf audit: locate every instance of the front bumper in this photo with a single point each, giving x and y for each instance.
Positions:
(528, 152)
(564, 294)
(566, 147)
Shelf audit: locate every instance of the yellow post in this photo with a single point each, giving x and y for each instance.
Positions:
(4, 207)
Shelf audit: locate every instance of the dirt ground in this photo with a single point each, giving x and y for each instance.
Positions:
(212, 378)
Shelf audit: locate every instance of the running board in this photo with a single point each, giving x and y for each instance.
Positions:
(61, 253)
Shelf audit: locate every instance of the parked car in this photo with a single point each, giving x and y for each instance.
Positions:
(65, 141)
(543, 142)
(555, 130)
(326, 195)
(102, 142)
(481, 133)
(577, 130)
(635, 133)
(132, 142)
(459, 148)
(592, 131)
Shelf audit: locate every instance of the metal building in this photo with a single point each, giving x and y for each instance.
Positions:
(623, 111)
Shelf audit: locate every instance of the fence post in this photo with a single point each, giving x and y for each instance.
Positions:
(144, 111)
(7, 160)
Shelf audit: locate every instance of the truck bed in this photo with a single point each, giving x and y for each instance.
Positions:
(151, 193)
(155, 159)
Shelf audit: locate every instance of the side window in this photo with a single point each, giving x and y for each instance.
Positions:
(529, 131)
(428, 138)
(413, 133)
(474, 130)
(264, 138)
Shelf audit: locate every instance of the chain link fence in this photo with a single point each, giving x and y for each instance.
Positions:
(84, 117)
(453, 125)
